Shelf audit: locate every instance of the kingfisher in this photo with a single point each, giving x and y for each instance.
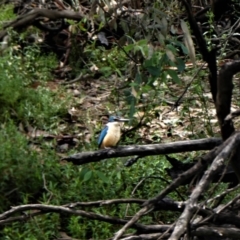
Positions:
(110, 135)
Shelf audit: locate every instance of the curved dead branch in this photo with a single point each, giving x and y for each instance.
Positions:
(28, 19)
(33, 210)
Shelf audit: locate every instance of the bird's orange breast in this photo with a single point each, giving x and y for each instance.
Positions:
(112, 137)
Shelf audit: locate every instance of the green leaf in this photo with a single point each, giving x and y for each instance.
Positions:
(81, 27)
(138, 78)
(163, 60)
(180, 64)
(83, 171)
(154, 71)
(161, 38)
(106, 71)
(88, 176)
(102, 176)
(174, 76)
(142, 42)
(129, 47)
(128, 95)
(132, 108)
(148, 62)
(181, 45)
(141, 49)
(184, 49)
(171, 48)
(119, 175)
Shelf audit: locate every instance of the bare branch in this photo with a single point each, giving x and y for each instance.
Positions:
(198, 167)
(222, 208)
(224, 96)
(185, 217)
(43, 209)
(59, 209)
(149, 236)
(223, 194)
(105, 202)
(145, 150)
(223, 232)
(132, 221)
(232, 115)
(28, 19)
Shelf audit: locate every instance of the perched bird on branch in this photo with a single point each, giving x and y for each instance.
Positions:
(110, 135)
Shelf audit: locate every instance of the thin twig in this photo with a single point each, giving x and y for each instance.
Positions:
(188, 85)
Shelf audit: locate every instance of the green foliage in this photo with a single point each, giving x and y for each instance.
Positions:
(31, 174)
(38, 177)
(24, 95)
(118, 182)
(156, 67)
(106, 62)
(21, 167)
(6, 14)
(41, 228)
(210, 34)
(147, 56)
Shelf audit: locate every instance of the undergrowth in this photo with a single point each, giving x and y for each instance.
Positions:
(33, 173)
(24, 94)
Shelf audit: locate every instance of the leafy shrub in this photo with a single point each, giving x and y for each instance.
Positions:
(24, 95)
(21, 167)
(6, 13)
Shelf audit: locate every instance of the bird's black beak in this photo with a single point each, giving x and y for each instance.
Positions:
(123, 120)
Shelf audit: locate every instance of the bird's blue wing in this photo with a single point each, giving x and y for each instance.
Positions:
(102, 136)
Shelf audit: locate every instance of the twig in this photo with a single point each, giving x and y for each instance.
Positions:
(176, 104)
(228, 204)
(132, 160)
(133, 191)
(198, 167)
(105, 202)
(134, 219)
(232, 115)
(223, 194)
(80, 77)
(46, 188)
(4, 217)
(44, 209)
